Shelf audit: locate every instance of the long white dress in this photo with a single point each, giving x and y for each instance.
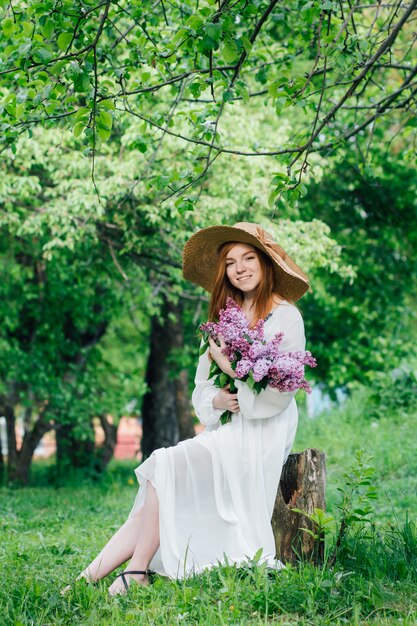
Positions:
(217, 491)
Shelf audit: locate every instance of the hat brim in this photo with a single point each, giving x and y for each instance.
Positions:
(201, 252)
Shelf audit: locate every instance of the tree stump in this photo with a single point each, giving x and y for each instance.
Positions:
(302, 486)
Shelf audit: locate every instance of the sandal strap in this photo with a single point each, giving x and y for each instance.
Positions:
(147, 572)
(122, 576)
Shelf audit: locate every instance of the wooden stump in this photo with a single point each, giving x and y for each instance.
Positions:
(302, 486)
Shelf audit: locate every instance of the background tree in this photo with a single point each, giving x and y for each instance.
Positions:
(185, 115)
(340, 69)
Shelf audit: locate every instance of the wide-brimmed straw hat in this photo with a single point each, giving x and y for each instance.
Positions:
(201, 253)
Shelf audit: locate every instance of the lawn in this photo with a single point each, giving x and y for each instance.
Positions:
(50, 531)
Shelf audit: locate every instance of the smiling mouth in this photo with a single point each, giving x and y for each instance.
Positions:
(244, 278)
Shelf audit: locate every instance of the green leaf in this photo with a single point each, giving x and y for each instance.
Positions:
(78, 129)
(226, 417)
(20, 109)
(206, 45)
(180, 35)
(44, 54)
(106, 120)
(213, 369)
(250, 382)
(103, 133)
(109, 104)
(183, 205)
(228, 94)
(203, 348)
(64, 40)
(412, 122)
(244, 93)
(258, 555)
(82, 113)
(224, 379)
(246, 45)
(194, 22)
(27, 28)
(195, 88)
(214, 31)
(47, 29)
(229, 51)
(8, 26)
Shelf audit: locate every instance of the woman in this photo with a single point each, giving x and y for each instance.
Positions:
(212, 496)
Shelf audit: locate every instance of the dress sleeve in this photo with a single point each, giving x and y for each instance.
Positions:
(270, 402)
(204, 392)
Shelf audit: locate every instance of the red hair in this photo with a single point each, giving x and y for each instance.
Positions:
(223, 288)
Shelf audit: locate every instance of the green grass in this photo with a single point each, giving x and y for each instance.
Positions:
(50, 531)
(390, 440)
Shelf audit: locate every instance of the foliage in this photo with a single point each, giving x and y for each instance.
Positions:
(62, 291)
(363, 326)
(393, 393)
(338, 71)
(358, 491)
(126, 126)
(342, 430)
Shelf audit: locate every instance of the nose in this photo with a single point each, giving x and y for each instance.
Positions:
(240, 267)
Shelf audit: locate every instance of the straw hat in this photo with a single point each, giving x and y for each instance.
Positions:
(201, 253)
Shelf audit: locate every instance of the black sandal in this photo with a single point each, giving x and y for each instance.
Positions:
(150, 573)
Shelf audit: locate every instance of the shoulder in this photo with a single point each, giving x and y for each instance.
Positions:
(287, 318)
(287, 313)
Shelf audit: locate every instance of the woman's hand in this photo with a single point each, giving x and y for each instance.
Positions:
(216, 353)
(226, 401)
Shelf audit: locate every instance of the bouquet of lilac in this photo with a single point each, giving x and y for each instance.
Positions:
(254, 360)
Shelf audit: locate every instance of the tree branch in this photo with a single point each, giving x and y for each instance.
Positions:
(71, 55)
(357, 81)
(252, 38)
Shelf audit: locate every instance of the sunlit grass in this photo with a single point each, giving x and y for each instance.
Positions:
(50, 531)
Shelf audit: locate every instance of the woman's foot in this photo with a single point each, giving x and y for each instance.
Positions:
(83, 576)
(123, 582)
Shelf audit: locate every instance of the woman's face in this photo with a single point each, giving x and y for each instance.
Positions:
(243, 268)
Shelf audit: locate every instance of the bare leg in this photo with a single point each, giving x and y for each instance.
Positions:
(116, 551)
(147, 541)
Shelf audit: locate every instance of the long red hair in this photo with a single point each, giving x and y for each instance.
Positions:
(223, 288)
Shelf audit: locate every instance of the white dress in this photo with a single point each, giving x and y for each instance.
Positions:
(217, 491)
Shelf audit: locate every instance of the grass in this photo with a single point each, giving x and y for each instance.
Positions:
(50, 531)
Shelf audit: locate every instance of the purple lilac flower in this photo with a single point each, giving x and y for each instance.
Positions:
(257, 333)
(258, 350)
(261, 369)
(243, 368)
(246, 347)
(210, 328)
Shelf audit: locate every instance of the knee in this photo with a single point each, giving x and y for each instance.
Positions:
(135, 518)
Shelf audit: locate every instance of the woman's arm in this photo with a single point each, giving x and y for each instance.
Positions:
(271, 402)
(204, 392)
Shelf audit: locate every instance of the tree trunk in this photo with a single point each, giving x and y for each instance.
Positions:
(183, 406)
(166, 414)
(182, 395)
(159, 411)
(19, 461)
(105, 453)
(302, 486)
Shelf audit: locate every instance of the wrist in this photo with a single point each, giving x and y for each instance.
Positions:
(215, 401)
